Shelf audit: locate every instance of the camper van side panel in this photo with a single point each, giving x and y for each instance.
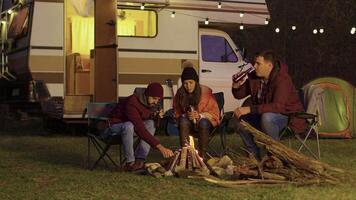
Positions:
(144, 60)
(46, 56)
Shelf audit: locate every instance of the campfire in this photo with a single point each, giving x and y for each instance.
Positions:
(186, 161)
(281, 165)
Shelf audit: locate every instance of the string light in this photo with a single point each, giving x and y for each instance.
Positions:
(321, 30)
(142, 6)
(353, 30)
(277, 30)
(266, 21)
(294, 28)
(219, 5)
(315, 31)
(9, 12)
(173, 14)
(241, 26)
(206, 21)
(242, 14)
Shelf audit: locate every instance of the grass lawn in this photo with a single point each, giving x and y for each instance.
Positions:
(40, 165)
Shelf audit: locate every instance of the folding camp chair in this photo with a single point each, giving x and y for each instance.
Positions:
(221, 129)
(98, 113)
(312, 121)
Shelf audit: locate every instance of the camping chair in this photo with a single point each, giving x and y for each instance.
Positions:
(221, 128)
(312, 122)
(98, 113)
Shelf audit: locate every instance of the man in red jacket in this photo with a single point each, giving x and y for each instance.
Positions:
(135, 116)
(273, 96)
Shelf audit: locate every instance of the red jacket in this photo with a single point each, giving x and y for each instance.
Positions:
(207, 106)
(281, 96)
(131, 109)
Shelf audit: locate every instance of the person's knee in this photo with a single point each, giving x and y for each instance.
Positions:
(204, 123)
(128, 128)
(150, 126)
(268, 118)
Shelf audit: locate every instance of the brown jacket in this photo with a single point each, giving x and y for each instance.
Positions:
(207, 106)
(281, 95)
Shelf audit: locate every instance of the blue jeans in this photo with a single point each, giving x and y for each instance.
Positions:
(269, 123)
(127, 132)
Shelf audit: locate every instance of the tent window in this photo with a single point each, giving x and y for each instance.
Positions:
(136, 23)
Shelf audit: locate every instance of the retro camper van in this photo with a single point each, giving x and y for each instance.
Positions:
(58, 55)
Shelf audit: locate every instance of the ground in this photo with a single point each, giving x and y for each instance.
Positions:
(45, 165)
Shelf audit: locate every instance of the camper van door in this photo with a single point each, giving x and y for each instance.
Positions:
(218, 61)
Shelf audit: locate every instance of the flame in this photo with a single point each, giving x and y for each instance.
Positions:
(191, 141)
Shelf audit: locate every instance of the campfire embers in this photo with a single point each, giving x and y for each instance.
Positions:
(186, 161)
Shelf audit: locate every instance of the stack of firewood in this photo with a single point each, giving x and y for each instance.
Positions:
(187, 161)
(280, 165)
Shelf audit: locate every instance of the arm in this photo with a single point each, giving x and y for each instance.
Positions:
(211, 110)
(134, 116)
(240, 91)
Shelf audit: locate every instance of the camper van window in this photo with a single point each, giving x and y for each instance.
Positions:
(136, 23)
(217, 49)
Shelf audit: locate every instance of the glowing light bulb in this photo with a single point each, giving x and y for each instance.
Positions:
(294, 28)
(315, 31)
(219, 5)
(353, 30)
(266, 21)
(142, 7)
(206, 21)
(241, 26)
(173, 14)
(277, 30)
(242, 14)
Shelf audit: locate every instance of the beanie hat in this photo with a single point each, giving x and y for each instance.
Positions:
(189, 73)
(154, 90)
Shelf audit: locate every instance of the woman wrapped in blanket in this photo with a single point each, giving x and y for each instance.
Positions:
(196, 110)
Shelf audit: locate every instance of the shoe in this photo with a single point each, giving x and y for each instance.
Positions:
(127, 167)
(139, 165)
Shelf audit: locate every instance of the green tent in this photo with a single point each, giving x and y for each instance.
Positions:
(335, 106)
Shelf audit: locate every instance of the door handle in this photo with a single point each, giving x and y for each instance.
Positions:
(205, 70)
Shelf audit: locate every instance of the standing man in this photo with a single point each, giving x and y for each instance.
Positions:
(273, 95)
(135, 115)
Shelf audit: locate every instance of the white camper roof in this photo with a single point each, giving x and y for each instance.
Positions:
(255, 11)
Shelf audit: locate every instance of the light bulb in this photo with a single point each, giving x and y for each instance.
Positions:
(173, 14)
(321, 30)
(315, 31)
(353, 30)
(294, 28)
(242, 14)
(206, 21)
(142, 6)
(219, 5)
(266, 21)
(277, 30)
(241, 26)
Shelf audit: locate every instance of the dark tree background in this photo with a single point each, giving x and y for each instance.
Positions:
(308, 56)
